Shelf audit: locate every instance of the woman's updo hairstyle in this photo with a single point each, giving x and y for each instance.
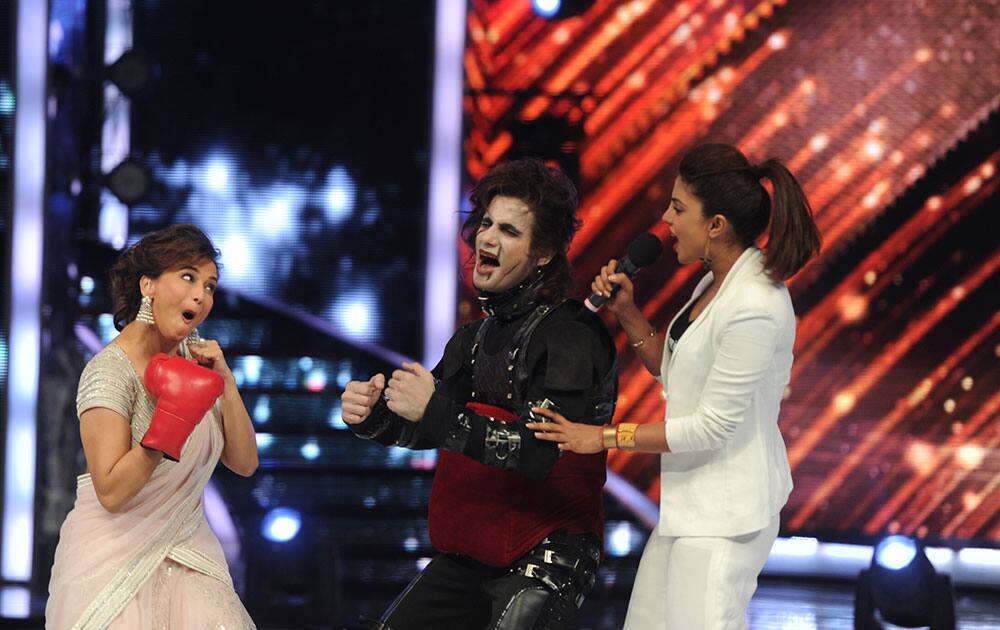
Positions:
(172, 247)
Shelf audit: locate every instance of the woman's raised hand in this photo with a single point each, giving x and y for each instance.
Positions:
(604, 282)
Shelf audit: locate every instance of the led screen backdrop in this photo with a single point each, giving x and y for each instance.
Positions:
(891, 418)
(299, 148)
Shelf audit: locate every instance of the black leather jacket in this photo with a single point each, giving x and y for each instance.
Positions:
(523, 352)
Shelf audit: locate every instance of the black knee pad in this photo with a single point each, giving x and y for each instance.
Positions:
(552, 581)
(525, 608)
(565, 563)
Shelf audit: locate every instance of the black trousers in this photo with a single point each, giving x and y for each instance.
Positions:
(541, 591)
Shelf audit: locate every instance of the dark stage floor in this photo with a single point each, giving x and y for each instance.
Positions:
(779, 604)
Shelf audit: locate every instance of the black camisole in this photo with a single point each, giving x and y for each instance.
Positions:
(681, 323)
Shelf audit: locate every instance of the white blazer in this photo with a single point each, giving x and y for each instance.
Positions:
(727, 471)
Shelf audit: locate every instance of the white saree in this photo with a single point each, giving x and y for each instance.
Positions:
(156, 563)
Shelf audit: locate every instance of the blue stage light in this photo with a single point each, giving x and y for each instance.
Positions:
(340, 194)
(6, 99)
(112, 222)
(356, 318)
(344, 374)
(236, 256)
(546, 8)
(620, 540)
(895, 552)
(310, 450)
(277, 215)
(251, 365)
(274, 219)
(336, 419)
(262, 410)
(215, 175)
(281, 524)
(560, 9)
(106, 327)
(357, 315)
(264, 440)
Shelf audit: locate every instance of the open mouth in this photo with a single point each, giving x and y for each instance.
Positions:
(487, 262)
(188, 316)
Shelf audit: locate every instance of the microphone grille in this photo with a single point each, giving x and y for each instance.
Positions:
(644, 250)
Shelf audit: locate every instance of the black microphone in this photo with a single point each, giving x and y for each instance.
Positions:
(643, 252)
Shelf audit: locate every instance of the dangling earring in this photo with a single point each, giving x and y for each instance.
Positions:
(145, 314)
(706, 259)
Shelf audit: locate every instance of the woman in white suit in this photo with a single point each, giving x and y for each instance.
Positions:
(724, 362)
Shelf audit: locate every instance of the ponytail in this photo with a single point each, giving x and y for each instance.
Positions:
(727, 184)
(793, 238)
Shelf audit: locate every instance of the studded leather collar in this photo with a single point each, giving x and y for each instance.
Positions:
(514, 302)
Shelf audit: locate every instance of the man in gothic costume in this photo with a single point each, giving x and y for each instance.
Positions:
(517, 524)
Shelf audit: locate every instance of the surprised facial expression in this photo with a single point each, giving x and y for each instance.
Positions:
(182, 298)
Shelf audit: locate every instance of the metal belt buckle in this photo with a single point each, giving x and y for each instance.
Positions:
(493, 442)
(502, 444)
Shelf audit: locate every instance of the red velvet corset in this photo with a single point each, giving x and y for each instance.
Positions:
(495, 516)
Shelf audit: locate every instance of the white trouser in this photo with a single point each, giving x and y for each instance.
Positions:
(698, 582)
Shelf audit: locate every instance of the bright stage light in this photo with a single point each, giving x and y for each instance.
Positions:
(546, 8)
(215, 175)
(310, 450)
(357, 315)
(235, 256)
(620, 540)
(264, 440)
(895, 552)
(251, 365)
(558, 9)
(902, 587)
(262, 410)
(340, 194)
(281, 524)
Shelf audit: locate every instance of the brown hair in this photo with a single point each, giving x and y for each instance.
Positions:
(552, 198)
(727, 184)
(170, 248)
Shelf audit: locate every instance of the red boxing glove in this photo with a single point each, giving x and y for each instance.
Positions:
(185, 392)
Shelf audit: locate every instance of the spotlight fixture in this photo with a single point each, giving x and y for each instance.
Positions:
(130, 73)
(902, 588)
(129, 181)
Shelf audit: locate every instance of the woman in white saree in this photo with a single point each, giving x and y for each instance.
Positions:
(136, 550)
